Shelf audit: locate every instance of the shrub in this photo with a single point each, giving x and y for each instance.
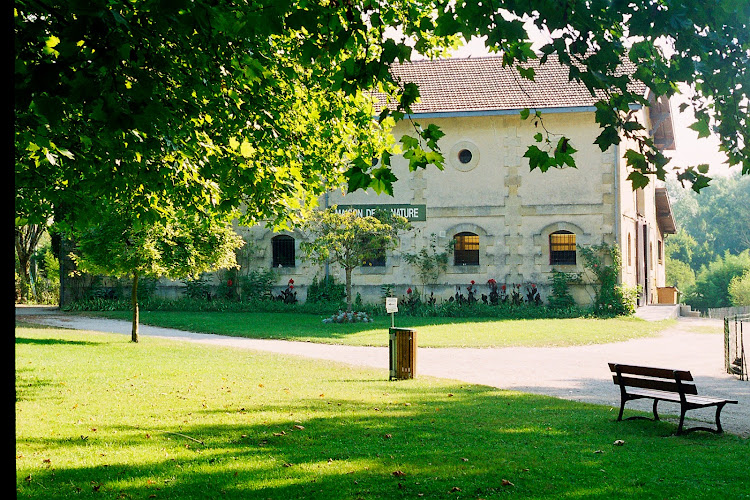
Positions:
(560, 297)
(611, 299)
(197, 288)
(326, 290)
(739, 289)
(257, 285)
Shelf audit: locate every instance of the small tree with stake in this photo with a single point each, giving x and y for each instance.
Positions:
(347, 239)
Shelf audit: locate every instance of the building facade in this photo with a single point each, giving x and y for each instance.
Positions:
(505, 222)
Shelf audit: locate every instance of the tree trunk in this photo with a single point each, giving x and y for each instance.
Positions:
(26, 240)
(348, 271)
(134, 298)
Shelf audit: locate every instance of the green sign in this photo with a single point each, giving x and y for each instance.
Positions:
(413, 213)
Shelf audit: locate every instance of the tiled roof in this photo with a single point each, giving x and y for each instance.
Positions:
(483, 84)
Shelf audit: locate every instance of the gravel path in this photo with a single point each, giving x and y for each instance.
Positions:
(577, 373)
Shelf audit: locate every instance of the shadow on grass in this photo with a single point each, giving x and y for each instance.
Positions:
(54, 341)
(453, 441)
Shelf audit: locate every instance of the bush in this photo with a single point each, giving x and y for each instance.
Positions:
(326, 291)
(560, 297)
(257, 285)
(612, 299)
(198, 288)
(739, 289)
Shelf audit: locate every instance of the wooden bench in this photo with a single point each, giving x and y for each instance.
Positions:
(661, 384)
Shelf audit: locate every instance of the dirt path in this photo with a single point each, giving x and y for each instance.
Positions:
(577, 373)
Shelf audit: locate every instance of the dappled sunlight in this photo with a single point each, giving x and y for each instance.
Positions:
(181, 421)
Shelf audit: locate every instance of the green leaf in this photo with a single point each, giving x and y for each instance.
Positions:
(638, 180)
(357, 179)
(701, 126)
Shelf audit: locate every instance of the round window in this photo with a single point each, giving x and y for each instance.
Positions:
(464, 156)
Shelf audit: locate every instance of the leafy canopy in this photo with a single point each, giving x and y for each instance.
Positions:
(261, 105)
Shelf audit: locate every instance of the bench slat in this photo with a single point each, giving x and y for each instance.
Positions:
(647, 371)
(659, 385)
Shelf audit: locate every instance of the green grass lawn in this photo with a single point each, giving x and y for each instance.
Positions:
(100, 417)
(431, 332)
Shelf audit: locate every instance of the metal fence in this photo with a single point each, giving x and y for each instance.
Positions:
(735, 359)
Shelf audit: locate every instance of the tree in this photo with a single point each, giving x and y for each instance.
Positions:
(119, 245)
(680, 275)
(264, 104)
(349, 240)
(712, 282)
(739, 289)
(26, 239)
(712, 223)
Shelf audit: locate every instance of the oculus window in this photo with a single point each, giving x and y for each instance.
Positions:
(466, 249)
(282, 247)
(562, 248)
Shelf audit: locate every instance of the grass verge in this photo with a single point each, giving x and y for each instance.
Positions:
(432, 332)
(100, 417)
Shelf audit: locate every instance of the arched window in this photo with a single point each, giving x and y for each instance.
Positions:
(282, 247)
(562, 248)
(466, 249)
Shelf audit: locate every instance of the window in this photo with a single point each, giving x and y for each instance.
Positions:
(378, 261)
(283, 251)
(465, 156)
(660, 251)
(562, 248)
(466, 250)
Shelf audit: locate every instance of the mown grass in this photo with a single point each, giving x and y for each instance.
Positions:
(432, 332)
(100, 417)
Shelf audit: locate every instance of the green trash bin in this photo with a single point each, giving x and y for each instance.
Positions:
(402, 348)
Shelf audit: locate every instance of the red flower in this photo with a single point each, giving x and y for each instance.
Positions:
(472, 282)
(491, 281)
(533, 285)
(229, 283)
(408, 290)
(503, 287)
(291, 281)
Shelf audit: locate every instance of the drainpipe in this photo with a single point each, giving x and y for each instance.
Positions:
(618, 215)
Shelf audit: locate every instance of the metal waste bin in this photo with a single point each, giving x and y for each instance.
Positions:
(402, 348)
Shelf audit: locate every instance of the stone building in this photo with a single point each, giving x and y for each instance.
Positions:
(508, 223)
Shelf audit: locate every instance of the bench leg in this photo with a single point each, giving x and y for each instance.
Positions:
(719, 407)
(656, 415)
(718, 429)
(682, 421)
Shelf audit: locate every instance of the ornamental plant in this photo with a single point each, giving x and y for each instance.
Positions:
(610, 299)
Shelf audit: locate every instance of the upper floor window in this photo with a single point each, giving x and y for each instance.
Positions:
(660, 251)
(466, 249)
(562, 248)
(283, 251)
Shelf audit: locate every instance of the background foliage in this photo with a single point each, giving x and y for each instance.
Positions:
(712, 245)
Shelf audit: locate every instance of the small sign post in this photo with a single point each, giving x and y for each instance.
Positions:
(391, 307)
